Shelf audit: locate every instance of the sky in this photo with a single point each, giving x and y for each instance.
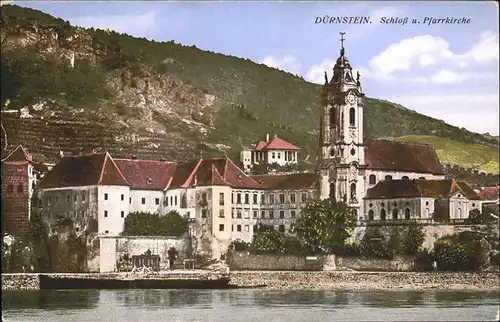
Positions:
(446, 71)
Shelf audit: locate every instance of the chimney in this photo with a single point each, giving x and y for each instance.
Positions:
(267, 137)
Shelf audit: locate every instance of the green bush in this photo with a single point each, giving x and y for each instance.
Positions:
(147, 224)
(459, 252)
(414, 240)
(373, 245)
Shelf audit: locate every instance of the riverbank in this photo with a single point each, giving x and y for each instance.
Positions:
(408, 281)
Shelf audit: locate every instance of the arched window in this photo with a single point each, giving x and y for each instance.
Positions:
(20, 188)
(382, 214)
(388, 177)
(332, 191)
(370, 214)
(333, 120)
(459, 212)
(421, 178)
(353, 191)
(407, 213)
(10, 188)
(352, 114)
(427, 213)
(372, 179)
(395, 214)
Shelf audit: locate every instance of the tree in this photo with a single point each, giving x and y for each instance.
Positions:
(268, 240)
(325, 225)
(147, 224)
(475, 217)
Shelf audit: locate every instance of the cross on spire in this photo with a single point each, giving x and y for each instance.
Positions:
(342, 43)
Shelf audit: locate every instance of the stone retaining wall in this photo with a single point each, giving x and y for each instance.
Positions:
(20, 281)
(366, 280)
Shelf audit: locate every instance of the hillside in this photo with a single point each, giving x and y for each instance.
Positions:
(455, 152)
(77, 89)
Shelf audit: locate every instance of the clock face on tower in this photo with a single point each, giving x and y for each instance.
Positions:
(351, 98)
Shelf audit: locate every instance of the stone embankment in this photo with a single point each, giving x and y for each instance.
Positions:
(366, 280)
(21, 281)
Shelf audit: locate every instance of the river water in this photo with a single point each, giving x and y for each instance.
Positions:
(247, 305)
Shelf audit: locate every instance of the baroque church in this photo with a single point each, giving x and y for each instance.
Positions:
(349, 165)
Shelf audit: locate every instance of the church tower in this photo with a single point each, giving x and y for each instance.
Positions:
(342, 164)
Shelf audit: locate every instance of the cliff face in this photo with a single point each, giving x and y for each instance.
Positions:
(149, 114)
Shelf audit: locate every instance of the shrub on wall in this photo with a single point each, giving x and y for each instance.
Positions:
(268, 240)
(373, 245)
(413, 240)
(461, 252)
(147, 224)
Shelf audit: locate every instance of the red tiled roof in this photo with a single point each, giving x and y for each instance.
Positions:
(84, 170)
(402, 156)
(388, 189)
(18, 155)
(146, 174)
(275, 144)
(294, 181)
(490, 193)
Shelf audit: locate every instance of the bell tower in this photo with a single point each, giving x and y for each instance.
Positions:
(342, 161)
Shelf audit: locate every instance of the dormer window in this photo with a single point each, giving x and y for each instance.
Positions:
(149, 181)
(239, 177)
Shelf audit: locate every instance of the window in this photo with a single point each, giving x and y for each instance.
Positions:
(143, 201)
(232, 213)
(105, 196)
(247, 199)
(282, 214)
(405, 178)
(353, 152)
(263, 214)
(165, 202)
(370, 214)
(281, 228)
(232, 198)
(273, 155)
(370, 205)
(232, 227)
(421, 178)
(388, 177)
(394, 214)
(221, 213)
(175, 201)
(382, 214)
(271, 198)
(426, 203)
(282, 198)
(255, 213)
(332, 191)
(292, 198)
(304, 197)
(122, 197)
(238, 227)
(332, 117)
(68, 198)
(372, 179)
(352, 116)
(204, 196)
(129, 200)
(238, 198)
(292, 213)
(106, 231)
(263, 199)
(238, 213)
(105, 213)
(122, 214)
(255, 198)
(221, 227)
(74, 198)
(247, 214)
(407, 214)
(84, 196)
(247, 228)
(203, 213)
(279, 155)
(20, 188)
(157, 201)
(271, 214)
(221, 199)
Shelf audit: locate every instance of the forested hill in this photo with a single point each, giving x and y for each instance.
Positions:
(79, 89)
